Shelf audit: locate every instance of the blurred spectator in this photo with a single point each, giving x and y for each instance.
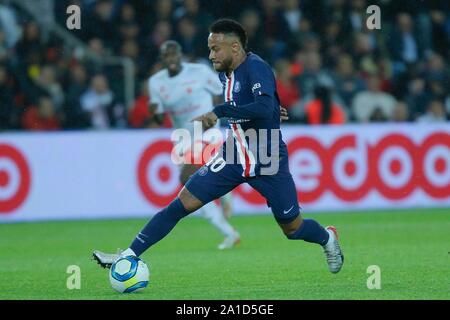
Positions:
(8, 111)
(160, 10)
(447, 105)
(440, 21)
(48, 84)
(251, 22)
(276, 29)
(401, 112)
(292, 14)
(333, 39)
(436, 69)
(437, 88)
(30, 43)
(417, 97)
(128, 27)
(100, 24)
(9, 25)
(312, 73)
(5, 52)
(191, 9)
(286, 86)
(188, 38)
(141, 116)
(130, 49)
(404, 47)
(322, 110)
(347, 82)
(357, 15)
(435, 113)
(96, 46)
(367, 102)
(164, 9)
(363, 53)
(317, 43)
(378, 115)
(310, 42)
(75, 116)
(99, 102)
(42, 117)
(162, 32)
(337, 10)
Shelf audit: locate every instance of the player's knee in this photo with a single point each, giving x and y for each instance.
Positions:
(291, 227)
(189, 201)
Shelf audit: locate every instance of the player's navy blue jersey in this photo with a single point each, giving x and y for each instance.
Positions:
(251, 102)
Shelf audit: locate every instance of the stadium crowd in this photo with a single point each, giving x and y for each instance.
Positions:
(330, 68)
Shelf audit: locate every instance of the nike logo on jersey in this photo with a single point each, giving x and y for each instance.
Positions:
(286, 212)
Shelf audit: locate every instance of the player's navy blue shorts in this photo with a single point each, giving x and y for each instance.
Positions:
(208, 184)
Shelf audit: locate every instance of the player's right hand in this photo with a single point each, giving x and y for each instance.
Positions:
(283, 114)
(152, 107)
(208, 119)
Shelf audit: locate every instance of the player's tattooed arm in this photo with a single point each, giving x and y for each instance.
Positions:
(208, 120)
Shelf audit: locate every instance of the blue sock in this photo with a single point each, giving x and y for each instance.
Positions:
(159, 226)
(310, 231)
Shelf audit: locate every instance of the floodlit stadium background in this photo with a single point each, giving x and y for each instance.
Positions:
(388, 147)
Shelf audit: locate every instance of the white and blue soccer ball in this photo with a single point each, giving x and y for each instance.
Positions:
(129, 274)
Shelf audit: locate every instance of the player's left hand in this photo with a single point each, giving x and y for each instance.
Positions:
(283, 114)
(208, 120)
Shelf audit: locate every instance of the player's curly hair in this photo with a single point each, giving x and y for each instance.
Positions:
(230, 26)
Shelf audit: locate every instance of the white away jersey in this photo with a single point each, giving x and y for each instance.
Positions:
(186, 95)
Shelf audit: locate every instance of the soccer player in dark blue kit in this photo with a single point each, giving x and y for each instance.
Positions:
(254, 153)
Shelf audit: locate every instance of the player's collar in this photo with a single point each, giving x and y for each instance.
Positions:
(243, 61)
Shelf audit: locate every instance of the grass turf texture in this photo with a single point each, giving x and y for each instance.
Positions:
(410, 247)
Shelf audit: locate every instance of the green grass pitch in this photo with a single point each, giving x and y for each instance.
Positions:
(411, 247)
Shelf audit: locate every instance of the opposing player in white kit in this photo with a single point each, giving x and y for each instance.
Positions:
(185, 91)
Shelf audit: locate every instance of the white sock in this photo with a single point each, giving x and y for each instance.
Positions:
(227, 200)
(127, 252)
(331, 238)
(213, 213)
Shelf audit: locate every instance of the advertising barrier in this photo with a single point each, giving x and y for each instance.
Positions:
(119, 174)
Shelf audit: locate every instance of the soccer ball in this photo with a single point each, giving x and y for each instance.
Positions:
(129, 274)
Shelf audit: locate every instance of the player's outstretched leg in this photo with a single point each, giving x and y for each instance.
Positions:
(212, 212)
(310, 230)
(156, 229)
(280, 192)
